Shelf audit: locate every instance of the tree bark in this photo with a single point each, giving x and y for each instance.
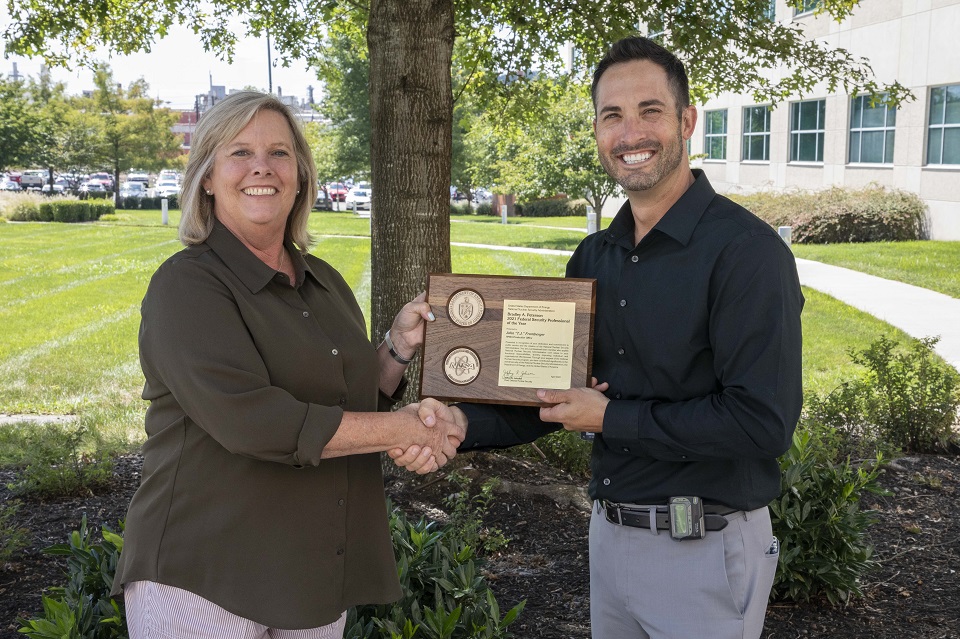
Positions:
(411, 116)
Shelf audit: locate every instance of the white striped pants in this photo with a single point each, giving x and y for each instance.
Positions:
(158, 611)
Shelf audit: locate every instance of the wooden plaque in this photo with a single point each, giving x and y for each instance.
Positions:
(472, 353)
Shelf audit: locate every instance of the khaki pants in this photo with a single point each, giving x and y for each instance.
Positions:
(649, 586)
(158, 611)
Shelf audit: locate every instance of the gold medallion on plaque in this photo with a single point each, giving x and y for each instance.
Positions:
(465, 307)
(461, 365)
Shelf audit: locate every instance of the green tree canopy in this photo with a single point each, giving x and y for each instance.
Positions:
(728, 45)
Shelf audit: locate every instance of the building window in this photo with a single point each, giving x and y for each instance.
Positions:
(771, 12)
(807, 6)
(756, 134)
(806, 130)
(872, 126)
(943, 137)
(715, 135)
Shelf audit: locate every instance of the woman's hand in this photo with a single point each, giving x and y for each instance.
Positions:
(406, 332)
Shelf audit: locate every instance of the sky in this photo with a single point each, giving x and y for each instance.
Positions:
(178, 69)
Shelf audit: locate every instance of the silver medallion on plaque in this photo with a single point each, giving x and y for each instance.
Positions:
(465, 307)
(461, 365)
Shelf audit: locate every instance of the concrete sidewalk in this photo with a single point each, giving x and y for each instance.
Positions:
(919, 312)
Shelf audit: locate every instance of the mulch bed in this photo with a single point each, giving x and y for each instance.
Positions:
(915, 593)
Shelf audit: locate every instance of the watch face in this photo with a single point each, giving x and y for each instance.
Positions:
(461, 365)
(465, 307)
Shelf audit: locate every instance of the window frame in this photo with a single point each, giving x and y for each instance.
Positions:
(807, 7)
(795, 133)
(709, 135)
(942, 126)
(747, 135)
(888, 127)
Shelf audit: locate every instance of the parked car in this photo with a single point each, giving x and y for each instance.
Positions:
(166, 187)
(359, 196)
(93, 186)
(59, 186)
(105, 178)
(137, 176)
(133, 189)
(33, 179)
(9, 185)
(338, 192)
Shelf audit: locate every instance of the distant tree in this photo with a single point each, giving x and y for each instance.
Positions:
(133, 130)
(323, 141)
(21, 126)
(345, 69)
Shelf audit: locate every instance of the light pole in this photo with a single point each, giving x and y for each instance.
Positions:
(269, 67)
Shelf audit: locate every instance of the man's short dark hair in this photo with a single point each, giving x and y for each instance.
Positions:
(639, 48)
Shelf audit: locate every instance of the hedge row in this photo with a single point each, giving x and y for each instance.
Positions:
(61, 211)
(872, 214)
(552, 208)
(148, 203)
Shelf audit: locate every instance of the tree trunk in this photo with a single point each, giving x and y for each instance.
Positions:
(411, 118)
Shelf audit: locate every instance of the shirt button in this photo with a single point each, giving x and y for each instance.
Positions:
(339, 551)
(617, 396)
(623, 302)
(343, 400)
(625, 449)
(620, 351)
(634, 259)
(340, 502)
(335, 352)
(306, 313)
(606, 482)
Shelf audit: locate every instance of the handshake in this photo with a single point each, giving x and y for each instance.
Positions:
(431, 434)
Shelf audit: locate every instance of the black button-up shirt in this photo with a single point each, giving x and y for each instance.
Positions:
(697, 331)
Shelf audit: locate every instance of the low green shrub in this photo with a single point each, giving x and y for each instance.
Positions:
(909, 393)
(820, 524)
(98, 209)
(55, 461)
(485, 208)
(70, 211)
(562, 449)
(444, 594)
(552, 208)
(461, 208)
(872, 214)
(467, 508)
(12, 538)
(24, 211)
(83, 609)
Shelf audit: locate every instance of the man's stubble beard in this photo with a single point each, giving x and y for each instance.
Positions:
(667, 160)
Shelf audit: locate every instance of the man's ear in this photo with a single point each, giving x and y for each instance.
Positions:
(688, 121)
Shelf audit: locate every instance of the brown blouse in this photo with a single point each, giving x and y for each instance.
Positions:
(247, 379)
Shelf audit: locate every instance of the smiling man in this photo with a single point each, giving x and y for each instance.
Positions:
(697, 347)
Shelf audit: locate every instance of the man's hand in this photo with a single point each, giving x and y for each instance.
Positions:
(578, 409)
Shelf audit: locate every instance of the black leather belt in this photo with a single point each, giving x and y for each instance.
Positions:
(638, 517)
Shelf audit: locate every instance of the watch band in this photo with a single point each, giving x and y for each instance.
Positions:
(393, 351)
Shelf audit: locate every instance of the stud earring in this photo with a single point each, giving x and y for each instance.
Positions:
(209, 192)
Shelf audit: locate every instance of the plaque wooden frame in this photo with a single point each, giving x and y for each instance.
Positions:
(483, 335)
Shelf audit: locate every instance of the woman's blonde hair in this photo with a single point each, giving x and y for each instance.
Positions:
(217, 127)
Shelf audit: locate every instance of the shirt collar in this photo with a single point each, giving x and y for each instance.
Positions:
(254, 274)
(678, 222)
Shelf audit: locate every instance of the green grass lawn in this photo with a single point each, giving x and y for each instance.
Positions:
(70, 296)
(933, 265)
